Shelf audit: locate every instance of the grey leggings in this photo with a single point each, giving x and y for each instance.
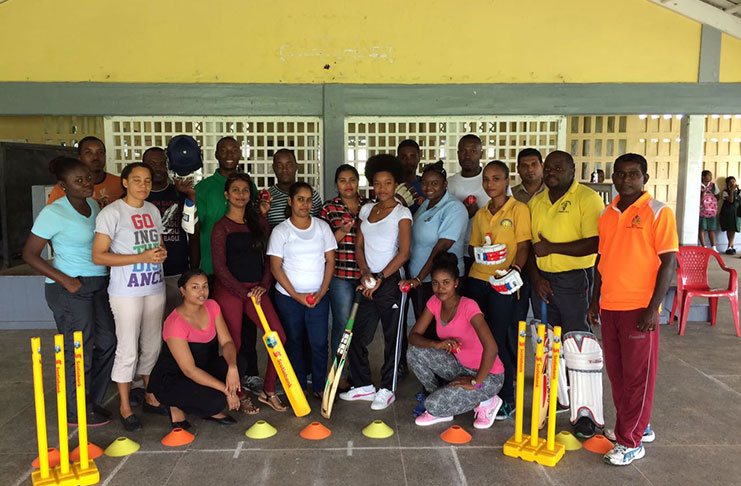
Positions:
(429, 363)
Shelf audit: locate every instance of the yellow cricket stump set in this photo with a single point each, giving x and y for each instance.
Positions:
(546, 452)
(79, 473)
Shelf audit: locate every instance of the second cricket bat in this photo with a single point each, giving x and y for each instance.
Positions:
(335, 372)
(283, 366)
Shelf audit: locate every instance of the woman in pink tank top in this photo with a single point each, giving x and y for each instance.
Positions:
(465, 355)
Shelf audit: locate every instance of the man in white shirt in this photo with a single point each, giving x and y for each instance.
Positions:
(467, 183)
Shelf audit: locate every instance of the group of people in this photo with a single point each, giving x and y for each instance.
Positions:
(719, 209)
(474, 254)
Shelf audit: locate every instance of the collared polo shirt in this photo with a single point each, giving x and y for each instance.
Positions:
(509, 226)
(573, 217)
(211, 206)
(630, 243)
(520, 193)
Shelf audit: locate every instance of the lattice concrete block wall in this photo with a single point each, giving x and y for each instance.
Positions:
(50, 130)
(128, 137)
(723, 146)
(437, 136)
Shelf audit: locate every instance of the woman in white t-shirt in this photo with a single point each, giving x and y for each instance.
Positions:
(302, 252)
(128, 238)
(381, 248)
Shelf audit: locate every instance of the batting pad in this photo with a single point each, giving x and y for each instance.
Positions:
(583, 356)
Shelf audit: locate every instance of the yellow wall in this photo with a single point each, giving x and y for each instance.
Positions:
(382, 41)
(730, 59)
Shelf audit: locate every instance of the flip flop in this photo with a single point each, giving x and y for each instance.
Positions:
(272, 401)
(247, 407)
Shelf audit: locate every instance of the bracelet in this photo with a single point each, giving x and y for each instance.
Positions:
(419, 281)
(516, 267)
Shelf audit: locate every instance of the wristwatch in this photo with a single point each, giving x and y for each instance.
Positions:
(476, 385)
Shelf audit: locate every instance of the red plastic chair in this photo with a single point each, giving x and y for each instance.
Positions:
(692, 281)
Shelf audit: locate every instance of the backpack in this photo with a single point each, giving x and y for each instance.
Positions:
(708, 203)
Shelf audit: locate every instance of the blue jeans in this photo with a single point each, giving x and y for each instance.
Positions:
(341, 295)
(300, 322)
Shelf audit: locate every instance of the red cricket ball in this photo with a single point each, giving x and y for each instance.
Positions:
(264, 195)
(311, 300)
(470, 200)
(406, 287)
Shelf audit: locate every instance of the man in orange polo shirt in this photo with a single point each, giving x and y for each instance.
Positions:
(640, 230)
(108, 188)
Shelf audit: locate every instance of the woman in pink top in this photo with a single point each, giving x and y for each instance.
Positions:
(465, 355)
(190, 376)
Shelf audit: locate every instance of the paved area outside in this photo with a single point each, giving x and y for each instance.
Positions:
(695, 417)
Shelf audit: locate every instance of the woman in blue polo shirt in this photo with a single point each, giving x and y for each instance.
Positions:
(439, 226)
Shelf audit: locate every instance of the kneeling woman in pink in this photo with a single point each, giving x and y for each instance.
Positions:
(465, 355)
(190, 376)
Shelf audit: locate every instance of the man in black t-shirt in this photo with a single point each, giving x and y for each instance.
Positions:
(170, 200)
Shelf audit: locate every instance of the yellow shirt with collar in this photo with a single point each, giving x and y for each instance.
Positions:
(509, 226)
(573, 217)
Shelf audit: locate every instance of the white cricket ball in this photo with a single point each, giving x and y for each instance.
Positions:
(370, 283)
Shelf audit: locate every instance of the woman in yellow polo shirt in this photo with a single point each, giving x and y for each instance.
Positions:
(499, 245)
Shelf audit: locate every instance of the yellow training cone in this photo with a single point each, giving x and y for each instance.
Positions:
(261, 430)
(378, 430)
(121, 447)
(568, 440)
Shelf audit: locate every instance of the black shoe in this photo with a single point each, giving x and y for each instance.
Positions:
(505, 411)
(94, 419)
(131, 423)
(136, 397)
(183, 424)
(225, 420)
(730, 251)
(98, 409)
(158, 410)
(584, 428)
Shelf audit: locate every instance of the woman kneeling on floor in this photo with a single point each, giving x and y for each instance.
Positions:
(190, 376)
(466, 354)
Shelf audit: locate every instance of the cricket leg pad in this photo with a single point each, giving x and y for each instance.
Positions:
(583, 356)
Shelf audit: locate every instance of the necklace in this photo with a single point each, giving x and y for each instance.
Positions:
(379, 208)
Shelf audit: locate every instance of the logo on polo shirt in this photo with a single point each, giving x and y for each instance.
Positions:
(636, 222)
(564, 208)
(506, 223)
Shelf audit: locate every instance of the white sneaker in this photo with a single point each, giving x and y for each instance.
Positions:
(384, 398)
(622, 456)
(366, 393)
(648, 435)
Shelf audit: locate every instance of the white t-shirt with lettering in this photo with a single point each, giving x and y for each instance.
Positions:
(381, 239)
(132, 231)
(302, 252)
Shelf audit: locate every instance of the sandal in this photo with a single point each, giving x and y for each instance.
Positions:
(272, 401)
(246, 406)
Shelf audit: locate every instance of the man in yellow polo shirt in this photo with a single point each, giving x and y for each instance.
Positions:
(564, 221)
(638, 229)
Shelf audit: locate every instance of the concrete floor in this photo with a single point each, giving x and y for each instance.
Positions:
(695, 416)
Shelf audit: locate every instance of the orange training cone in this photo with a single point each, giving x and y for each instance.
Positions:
(53, 458)
(315, 431)
(598, 444)
(93, 452)
(456, 435)
(178, 437)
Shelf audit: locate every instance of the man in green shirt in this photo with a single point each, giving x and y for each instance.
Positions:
(210, 200)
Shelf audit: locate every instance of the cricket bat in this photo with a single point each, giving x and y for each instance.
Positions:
(545, 376)
(335, 373)
(283, 366)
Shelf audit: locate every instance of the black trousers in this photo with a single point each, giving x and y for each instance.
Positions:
(383, 306)
(88, 311)
(568, 305)
(499, 312)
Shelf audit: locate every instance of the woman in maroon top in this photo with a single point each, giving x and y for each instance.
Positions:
(238, 244)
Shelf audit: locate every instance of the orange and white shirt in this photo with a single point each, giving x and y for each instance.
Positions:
(630, 243)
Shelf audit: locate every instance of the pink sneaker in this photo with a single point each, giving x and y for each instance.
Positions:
(428, 419)
(485, 415)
